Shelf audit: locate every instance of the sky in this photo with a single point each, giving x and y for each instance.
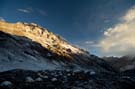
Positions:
(95, 25)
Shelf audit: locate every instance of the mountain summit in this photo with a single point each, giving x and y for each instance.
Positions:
(29, 46)
(42, 36)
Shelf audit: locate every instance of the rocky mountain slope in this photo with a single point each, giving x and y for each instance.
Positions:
(29, 46)
(40, 35)
(122, 63)
(56, 63)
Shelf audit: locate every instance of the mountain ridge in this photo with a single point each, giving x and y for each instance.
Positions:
(39, 35)
(122, 63)
(30, 46)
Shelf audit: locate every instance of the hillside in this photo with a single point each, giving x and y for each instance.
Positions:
(29, 46)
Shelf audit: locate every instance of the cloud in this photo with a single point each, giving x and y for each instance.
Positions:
(88, 45)
(42, 12)
(2, 19)
(120, 39)
(91, 44)
(35, 10)
(26, 10)
(23, 10)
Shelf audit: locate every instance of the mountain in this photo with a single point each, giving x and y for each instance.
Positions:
(31, 57)
(122, 63)
(29, 46)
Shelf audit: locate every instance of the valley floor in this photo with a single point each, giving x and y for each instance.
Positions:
(59, 79)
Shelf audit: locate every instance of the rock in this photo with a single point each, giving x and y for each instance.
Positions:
(92, 72)
(68, 74)
(49, 55)
(103, 80)
(54, 79)
(45, 77)
(6, 83)
(29, 79)
(38, 79)
(34, 24)
(42, 76)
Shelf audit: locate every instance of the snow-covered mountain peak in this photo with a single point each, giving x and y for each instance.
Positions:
(42, 36)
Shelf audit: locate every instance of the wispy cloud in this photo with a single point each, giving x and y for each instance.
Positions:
(88, 45)
(2, 19)
(120, 39)
(31, 10)
(91, 44)
(24, 10)
(42, 12)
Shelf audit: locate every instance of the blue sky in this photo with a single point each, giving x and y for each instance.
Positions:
(81, 22)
